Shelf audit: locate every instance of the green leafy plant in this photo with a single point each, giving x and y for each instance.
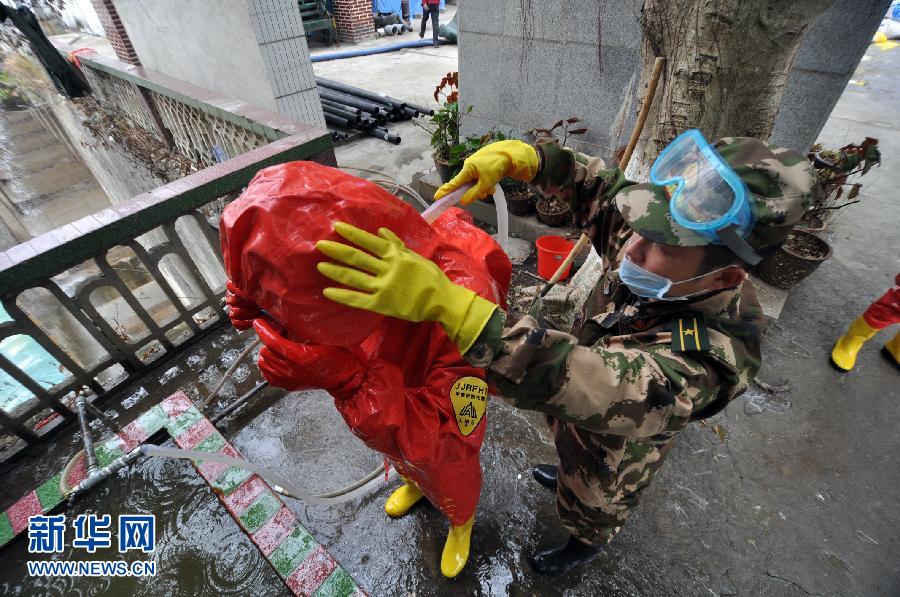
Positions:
(445, 130)
(471, 144)
(446, 144)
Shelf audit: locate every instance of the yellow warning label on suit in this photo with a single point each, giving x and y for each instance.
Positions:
(469, 397)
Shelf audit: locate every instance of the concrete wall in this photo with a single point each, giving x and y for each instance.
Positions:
(581, 59)
(830, 52)
(253, 50)
(81, 14)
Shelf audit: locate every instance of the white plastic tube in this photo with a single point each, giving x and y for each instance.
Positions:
(434, 211)
(502, 219)
(438, 207)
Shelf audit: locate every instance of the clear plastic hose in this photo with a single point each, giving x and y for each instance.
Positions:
(362, 487)
(440, 206)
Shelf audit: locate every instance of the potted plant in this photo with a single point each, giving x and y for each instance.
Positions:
(552, 134)
(471, 144)
(803, 251)
(445, 132)
(834, 168)
(553, 211)
(797, 257)
(519, 198)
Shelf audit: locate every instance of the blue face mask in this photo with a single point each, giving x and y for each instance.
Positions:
(646, 284)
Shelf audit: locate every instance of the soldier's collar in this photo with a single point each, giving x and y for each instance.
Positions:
(710, 304)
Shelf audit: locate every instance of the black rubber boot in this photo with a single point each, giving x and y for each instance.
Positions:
(559, 560)
(545, 474)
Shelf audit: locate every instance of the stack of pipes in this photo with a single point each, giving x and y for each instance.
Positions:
(350, 108)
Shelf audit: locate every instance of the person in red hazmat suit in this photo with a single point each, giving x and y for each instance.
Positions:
(881, 314)
(403, 388)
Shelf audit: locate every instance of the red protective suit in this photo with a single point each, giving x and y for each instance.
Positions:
(886, 310)
(418, 401)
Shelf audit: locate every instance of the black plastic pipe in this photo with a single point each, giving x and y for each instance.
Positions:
(383, 134)
(339, 106)
(351, 116)
(350, 89)
(421, 110)
(337, 120)
(350, 100)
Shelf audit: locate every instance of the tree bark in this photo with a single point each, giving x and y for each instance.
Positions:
(727, 65)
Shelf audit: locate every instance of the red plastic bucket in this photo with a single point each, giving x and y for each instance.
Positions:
(551, 252)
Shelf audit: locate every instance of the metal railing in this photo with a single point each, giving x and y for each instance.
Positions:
(101, 300)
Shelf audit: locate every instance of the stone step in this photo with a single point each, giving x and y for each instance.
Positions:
(25, 126)
(55, 157)
(17, 116)
(40, 141)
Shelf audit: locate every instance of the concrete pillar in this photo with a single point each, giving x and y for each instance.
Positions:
(115, 31)
(354, 20)
(827, 58)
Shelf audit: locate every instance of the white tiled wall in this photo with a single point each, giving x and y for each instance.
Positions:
(282, 42)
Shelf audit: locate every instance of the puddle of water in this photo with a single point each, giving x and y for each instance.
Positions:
(200, 550)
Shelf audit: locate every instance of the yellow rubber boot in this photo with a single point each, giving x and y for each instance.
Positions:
(847, 347)
(404, 498)
(893, 348)
(456, 549)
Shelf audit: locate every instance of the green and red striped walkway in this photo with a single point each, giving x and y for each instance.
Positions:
(306, 566)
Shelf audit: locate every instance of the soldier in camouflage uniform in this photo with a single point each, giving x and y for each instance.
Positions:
(633, 372)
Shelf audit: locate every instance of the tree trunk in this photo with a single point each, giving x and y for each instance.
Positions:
(727, 65)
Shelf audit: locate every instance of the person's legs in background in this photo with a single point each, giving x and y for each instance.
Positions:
(431, 11)
(881, 314)
(425, 15)
(435, 26)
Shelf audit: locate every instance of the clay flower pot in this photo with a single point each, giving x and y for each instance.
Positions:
(443, 168)
(796, 259)
(553, 212)
(812, 223)
(520, 204)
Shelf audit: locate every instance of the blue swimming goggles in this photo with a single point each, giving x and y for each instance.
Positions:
(706, 195)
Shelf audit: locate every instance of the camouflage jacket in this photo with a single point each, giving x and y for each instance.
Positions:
(625, 368)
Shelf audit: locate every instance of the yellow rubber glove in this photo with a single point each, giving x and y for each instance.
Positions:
(485, 168)
(398, 282)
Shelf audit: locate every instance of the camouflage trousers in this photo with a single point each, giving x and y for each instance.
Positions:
(601, 476)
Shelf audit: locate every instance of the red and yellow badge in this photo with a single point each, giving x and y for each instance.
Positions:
(469, 397)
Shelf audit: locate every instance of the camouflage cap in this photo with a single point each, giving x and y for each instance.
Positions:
(781, 183)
